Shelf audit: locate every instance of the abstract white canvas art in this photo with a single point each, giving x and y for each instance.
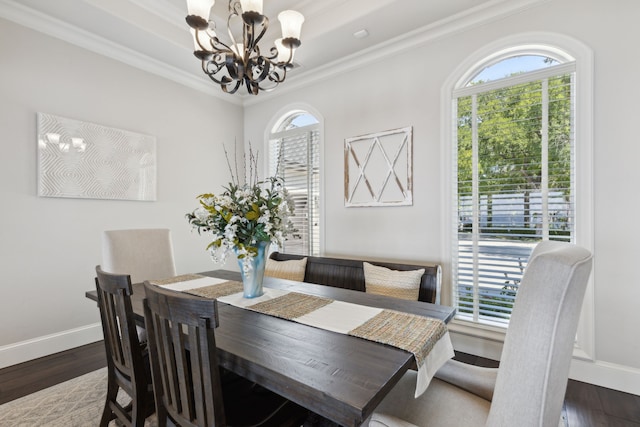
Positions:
(378, 169)
(85, 160)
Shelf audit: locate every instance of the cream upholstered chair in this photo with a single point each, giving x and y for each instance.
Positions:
(143, 254)
(528, 388)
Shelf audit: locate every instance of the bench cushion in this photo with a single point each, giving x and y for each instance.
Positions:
(291, 270)
(393, 283)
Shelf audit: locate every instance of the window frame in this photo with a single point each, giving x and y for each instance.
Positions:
(483, 269)
(277, 121)
(564, 49)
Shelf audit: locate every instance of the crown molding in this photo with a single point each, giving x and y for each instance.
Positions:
(30, 18)
(479, 15)
(473, 17)
(164, 10)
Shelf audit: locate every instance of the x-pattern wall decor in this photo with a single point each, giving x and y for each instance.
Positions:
(85, 160)
(378, 169)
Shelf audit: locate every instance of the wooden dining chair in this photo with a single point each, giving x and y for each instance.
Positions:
(187, 379)
(528, 387)
(127, 359)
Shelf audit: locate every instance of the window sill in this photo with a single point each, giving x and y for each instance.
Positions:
(478, 330)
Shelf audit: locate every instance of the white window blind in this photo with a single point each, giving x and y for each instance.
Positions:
(294, 156)
(515, 184)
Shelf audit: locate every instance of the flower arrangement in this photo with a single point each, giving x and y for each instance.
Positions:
(244, 214)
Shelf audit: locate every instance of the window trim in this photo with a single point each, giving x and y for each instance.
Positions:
(557, 46)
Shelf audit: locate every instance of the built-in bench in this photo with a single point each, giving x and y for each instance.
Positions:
(349, 273)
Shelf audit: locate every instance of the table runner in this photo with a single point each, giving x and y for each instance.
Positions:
(426, 338)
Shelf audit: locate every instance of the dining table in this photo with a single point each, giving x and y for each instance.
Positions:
(340, 377)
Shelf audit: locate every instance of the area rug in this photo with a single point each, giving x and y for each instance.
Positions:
(74, 403)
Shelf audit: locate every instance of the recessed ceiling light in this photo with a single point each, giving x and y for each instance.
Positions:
(361, 34)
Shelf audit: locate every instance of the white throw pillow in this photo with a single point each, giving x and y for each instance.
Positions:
(393, 283)
(291, 270)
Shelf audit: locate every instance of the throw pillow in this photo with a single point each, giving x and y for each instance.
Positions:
(291, 270)
(393, 283)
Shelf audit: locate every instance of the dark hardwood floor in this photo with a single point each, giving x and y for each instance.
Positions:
(585, 405)
(28, 377)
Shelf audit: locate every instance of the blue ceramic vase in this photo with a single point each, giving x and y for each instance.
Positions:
(252, 279)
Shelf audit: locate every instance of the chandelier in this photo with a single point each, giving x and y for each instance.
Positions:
(240, 62)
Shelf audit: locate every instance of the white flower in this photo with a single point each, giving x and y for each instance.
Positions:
(201, 213)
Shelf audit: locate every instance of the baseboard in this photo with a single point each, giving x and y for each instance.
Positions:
(605, 374)
(24, 351)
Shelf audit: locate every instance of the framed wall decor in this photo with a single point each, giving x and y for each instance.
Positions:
(85, 160)
(378, 169)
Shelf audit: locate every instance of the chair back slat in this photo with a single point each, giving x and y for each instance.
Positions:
(183, 357)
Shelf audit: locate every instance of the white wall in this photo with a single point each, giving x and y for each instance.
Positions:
(49, 246)
(405, 90)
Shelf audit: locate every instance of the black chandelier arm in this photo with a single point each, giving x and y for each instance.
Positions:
(274, 55)
(256, 39)
(276, 77)
(216, 47)
(221, 49)
(271, 85)
(262, 65)
(203, 49)
(213, 65)
(226, 83)
(225, 86)
(221, 82)
(252, 87)
(235, 68)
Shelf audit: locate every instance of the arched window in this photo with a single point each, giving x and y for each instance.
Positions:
(514, 173)
(294, 155)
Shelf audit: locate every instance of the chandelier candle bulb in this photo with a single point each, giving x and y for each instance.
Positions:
(291, 22)
(251, 6)
(198, 13)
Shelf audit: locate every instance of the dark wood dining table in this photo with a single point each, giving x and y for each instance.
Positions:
(337, 376)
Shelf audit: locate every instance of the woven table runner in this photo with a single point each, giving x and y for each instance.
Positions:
(176, 279)
(290, 306)
(415, 334)
(212, 291)
(217, 291)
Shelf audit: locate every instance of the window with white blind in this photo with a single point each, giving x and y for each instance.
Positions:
(294, 155)
(515, 177)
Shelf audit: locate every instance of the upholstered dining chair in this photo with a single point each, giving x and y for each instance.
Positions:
(187, 384)
(144, 254)
(127, 359)
(528, 387)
